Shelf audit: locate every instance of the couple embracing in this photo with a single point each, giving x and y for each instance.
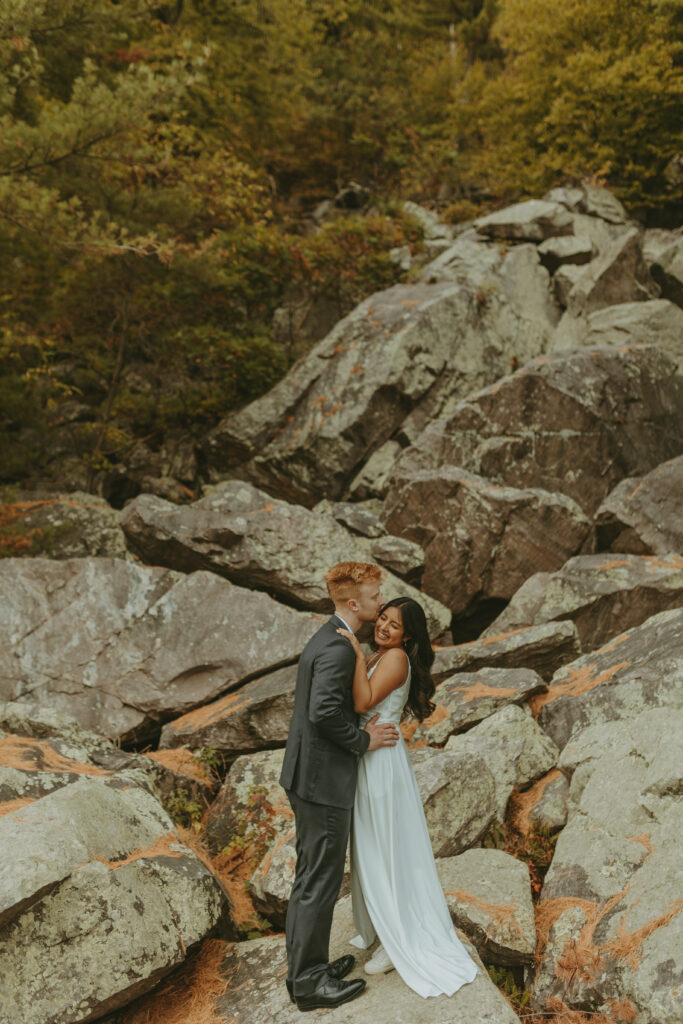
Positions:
(346, 761)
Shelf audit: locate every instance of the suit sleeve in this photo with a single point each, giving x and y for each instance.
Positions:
(332, 672)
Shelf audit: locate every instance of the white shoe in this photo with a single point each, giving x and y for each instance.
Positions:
(379, 963)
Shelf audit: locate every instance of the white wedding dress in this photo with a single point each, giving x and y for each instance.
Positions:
(396, 892)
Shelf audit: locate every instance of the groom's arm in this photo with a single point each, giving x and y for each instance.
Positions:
(332, 675)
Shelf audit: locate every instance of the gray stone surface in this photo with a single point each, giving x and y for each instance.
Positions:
(652, 322)
(531, 221)
(603, 595)
(639, 670)
(481, 540)
(401, 356)
(572, 422)
(122, 647)
(619, 274)
(251, 797)
(642, 516)
(69, 525)
(513, 747)
(372, 480)
(468, 697)
(550, 812)
(489, 896)
(458, 792)
(108, 903)
(259, 542)
(542, 648)
(593, 200)
(667, 270)
(255, 717)
(555, 252)
(611, 888)
(257, 994)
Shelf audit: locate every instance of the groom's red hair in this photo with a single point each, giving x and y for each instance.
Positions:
(344, 578)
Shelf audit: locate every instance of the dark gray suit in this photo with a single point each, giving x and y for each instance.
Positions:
(319, 772)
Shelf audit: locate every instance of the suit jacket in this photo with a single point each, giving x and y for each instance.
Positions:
(324, 742)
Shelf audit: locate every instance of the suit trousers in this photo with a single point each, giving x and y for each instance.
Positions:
(322, 834)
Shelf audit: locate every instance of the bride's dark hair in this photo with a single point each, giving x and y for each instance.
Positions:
(420, 654)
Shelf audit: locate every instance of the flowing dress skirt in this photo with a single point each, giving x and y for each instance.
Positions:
(396, 892)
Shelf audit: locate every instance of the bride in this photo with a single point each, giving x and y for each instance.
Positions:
(396, 893)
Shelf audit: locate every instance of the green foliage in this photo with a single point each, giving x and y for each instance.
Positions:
(183, 809)
(210, 759)
(510, 981)
(253, 828)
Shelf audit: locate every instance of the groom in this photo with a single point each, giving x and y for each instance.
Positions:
(319, 774)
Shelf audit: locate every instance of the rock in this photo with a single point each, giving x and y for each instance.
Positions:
(515, 749)
(257, 542)
(108, 903)
(653, 322)
(401, 355)
(480, 540)
(144, 644)
(656, 241)
(431, 225)
(612, 930)
(639, 670)
(260, 966)
(458, 794)
(589, 199)
(530, 221)
(555, 252)
(489, 897)
(48, 749)
(542, 648)
(354, 516)
(255, 717)
(373, 479)
(67, 525)
(402, 557)
(667, 271)
(601, 594)
(563, 281)
(543, 805)
(167, 487)
(469, 697)
(576, 422)
(642, 516)
(271, 884)
(619, 274)
(250, 800)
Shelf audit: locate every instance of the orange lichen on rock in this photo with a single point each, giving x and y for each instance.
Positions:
(501, 914)
(480, 690)
(28, 754)
(182, 761)
(578, 681)
(489, 639)
(208, 713)
(522, 804)
(265, 864)
(439, 714)
(190, 994)
(644, 838)
(626, 945)
(161, 848)
(10, 806)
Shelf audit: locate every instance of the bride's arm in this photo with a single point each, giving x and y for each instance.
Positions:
(388, 675)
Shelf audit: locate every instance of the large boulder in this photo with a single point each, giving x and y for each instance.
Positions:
(572, 422)
(255, 717)
(251, 805)
(611, 922)
(639, 670)
(530, 221)
(619, 274)
(64, 525)
(667, 270)
(603, 595)
(542, 648)
(489, 896)
(412, 347)
(458, 792)
(642, 516)
(260, 965)
(468, 697)
(122, 648)
(259, 542)
(481, 540)
(653, 322)
(514, 748)
(591, 200)
(108, 902)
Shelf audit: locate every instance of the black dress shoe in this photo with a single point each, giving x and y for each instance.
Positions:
(338, 969)
(330, 993)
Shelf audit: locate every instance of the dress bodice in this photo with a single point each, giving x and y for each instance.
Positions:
(391, 708)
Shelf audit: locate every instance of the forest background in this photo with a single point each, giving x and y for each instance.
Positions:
(160, 165)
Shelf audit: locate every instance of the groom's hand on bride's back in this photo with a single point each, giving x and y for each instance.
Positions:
(382, 734)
